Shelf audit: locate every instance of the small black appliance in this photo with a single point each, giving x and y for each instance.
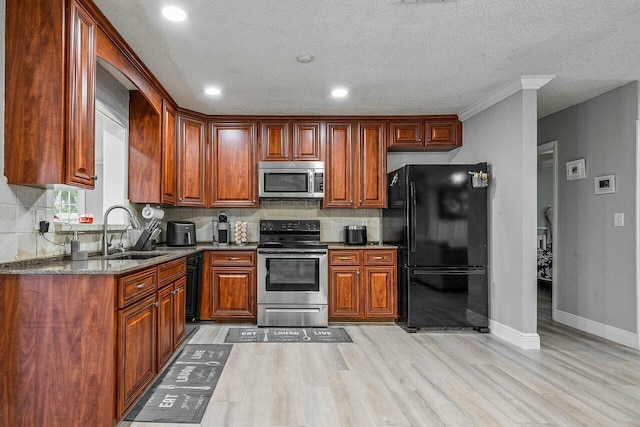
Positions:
(181, 233)
(355, 235)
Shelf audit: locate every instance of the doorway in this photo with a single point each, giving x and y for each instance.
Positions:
(547, 180)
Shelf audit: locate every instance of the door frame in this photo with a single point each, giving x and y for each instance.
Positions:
(545, 147)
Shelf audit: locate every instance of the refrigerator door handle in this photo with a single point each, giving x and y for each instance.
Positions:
(449, 272)
(412, 214)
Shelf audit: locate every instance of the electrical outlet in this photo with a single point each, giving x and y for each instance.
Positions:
(618, 220)
(41, 215)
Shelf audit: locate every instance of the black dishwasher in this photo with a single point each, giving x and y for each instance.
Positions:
(194, 278)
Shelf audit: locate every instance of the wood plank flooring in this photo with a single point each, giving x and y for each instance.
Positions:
(388, 377)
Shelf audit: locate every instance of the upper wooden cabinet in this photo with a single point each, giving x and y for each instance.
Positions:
(355, 171)
(233, 181)
(434, 133)
(191, 161)
(145, 150)
(169, 155)
(372, 161)
(50, 74)
(290, 140)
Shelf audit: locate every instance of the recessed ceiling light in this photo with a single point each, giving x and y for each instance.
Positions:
(212, 91)
(339, 93)
(173, 13)
(304, 58)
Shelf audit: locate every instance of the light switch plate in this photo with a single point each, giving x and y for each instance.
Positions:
(618, 219)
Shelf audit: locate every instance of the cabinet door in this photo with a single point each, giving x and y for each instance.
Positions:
(344, 292)
(274, 141)
(233, 290)
(191, 162)
(307, 143)
(373, 165)
(235, 172)
(82, 79)
(165, 325)
(442, 135)
(179, 311)
(405, 134)
(136, 350)
(339, 166)
(168, 154)
(380, 292)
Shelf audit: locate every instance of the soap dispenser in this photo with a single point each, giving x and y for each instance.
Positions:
(76, 253)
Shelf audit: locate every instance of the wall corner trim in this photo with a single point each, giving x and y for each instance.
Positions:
(525, 341)
(524, 82)
(617, 335)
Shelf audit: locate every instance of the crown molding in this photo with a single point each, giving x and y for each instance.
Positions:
(524, 82)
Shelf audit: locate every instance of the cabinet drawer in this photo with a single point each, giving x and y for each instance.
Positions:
(233, 258)
(134, 286)
(344, 257)
(171, 271)
(380, 257)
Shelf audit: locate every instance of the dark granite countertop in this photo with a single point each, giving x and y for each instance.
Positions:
(110, 264)
(373, 246)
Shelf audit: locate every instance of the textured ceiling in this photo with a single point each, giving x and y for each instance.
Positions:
(420, 58)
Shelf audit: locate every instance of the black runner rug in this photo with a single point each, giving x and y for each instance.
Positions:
(279, 335)
(182, 393)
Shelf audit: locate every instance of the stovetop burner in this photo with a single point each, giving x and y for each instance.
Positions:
(290, 234)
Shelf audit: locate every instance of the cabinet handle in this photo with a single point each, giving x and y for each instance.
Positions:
(180, 198)
(378, 257)
(350, 201)
(155, 304)
(344, 257)
(254, 200)
(419, 139)
(428, 139)
(358, 272)
(95, 177)
(174, 292)
(233, 258)
(141, 285)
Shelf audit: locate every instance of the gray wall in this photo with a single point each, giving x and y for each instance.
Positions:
(596, 271)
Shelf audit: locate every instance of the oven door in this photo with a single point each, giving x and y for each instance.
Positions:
(292, 277)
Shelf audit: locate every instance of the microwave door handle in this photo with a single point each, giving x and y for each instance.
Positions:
(311, 189)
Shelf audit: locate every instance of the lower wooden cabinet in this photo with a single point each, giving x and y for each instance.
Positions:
(362, 285)
(229, 291)
(136, 351)
(171, 320)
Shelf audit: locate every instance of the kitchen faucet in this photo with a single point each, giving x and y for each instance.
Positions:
(105, 244)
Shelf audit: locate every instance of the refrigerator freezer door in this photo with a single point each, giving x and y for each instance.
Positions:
(447, 217)
(447, 298)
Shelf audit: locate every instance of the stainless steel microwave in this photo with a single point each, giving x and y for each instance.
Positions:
(291, 180)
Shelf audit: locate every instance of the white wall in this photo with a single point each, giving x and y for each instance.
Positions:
(596, 261)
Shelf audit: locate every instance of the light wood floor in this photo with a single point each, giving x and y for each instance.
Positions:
(388, 377)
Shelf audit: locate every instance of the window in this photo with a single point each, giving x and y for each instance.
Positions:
(67, 204)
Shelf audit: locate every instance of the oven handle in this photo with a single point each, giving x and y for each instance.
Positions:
(305, 254)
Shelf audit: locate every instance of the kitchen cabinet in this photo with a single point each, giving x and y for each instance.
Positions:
(290, 141)
(169, 155)
(362, 284)
(145, 150)
(136, 351)
(355, 171)
(230, 286)
(171, 309)
(338, 186)
(433, 133)
(192, 162)
(50, 93)
(233, 181)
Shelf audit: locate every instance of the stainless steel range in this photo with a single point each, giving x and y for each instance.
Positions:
(292, 274)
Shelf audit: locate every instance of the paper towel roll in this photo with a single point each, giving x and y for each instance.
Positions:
(148, 213)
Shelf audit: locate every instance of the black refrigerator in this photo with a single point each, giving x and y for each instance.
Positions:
(437, 216)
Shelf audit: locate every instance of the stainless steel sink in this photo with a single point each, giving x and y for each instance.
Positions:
(134, 256)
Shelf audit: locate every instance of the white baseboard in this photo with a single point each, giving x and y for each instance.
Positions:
(525, 341)
(610, 333)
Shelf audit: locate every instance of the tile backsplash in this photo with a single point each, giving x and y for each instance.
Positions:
(332, 220)
(19, 206)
